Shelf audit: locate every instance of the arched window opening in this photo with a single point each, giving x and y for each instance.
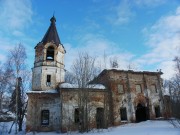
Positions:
(50, 53)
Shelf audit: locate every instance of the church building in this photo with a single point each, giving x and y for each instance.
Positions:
(113, 98)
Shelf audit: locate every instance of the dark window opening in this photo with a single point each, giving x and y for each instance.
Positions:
(50, 53)
(48, 82)
(76, 115)
(157, 111)
(123, 113)
(45, 117)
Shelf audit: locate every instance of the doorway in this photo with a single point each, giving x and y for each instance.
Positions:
(100, 118)
(141, 114)
(157, 111)
(123, 113)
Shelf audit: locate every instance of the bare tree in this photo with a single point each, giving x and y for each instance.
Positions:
(69, 77)
(177, 64)
(6, 74)
(114, 62)
(17, 59)
(174, 87)
(131, 66)
(83, 71)
(104, 60)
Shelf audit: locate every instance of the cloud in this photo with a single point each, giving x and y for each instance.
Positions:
(121, 14)
(149, 3)
(2, 57)
(98, 46)
(167, 68)
(15, 15)
(124, 12)
(163, 38)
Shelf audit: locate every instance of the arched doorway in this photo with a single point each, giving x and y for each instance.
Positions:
(141, 114)
(157, 111)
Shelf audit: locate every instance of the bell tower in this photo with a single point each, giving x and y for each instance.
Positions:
(48, 70)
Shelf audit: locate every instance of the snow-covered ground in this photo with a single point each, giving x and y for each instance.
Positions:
(6, 126)
(150, 127)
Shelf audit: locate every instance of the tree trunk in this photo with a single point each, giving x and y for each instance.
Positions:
(20, 125)
(0, 103)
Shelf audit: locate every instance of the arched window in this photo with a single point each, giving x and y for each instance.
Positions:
(50, 53)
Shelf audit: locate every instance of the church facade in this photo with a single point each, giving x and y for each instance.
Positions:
(114, 98)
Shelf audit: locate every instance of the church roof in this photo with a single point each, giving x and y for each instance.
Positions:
(51, 34)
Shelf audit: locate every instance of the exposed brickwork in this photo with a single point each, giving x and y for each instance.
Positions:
(43, 101)
(70, 100)
(131, 98)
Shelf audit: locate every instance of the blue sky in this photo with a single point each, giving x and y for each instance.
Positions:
(142, 33)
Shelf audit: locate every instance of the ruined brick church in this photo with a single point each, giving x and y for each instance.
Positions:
(117, 96)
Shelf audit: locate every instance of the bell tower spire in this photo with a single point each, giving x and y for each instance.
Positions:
(48, 69)
(52, 34)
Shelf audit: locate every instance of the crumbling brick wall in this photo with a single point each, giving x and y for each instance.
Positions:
(70, 101)
(130, 98)
(43, 101)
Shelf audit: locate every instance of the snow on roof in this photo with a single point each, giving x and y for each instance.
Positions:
(133, 70)
(43, 91)
(96, 86)
(92, 86)
(68, 85)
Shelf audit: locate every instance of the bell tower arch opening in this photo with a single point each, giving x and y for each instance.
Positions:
(50, 53)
